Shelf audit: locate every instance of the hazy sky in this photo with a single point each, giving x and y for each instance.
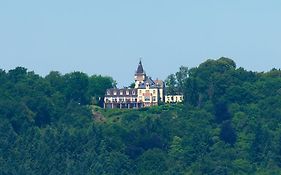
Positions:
(108, 37)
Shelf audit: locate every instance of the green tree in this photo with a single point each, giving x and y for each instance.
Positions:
(171, 84)
(181, 77)
(76, 87)
(228, 133)
(176, 148)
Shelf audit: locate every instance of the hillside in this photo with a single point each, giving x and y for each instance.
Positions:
(230, 123)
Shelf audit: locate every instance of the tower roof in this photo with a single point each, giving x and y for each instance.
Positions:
(140, 68)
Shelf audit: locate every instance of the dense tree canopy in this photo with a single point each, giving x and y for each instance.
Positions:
(228, 124)
(175, 82)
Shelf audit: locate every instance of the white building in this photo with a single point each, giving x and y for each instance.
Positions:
(147, 92)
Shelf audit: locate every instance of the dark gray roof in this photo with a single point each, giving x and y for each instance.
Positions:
(121, 92)
(149, 81)
(140, 69)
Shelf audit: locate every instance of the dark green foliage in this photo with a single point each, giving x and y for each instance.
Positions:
(228, 133)
(152, 162)
(98, 85)
(229, 124)
(171, 84)
(76, 87)
(175, 83)
(221, 111)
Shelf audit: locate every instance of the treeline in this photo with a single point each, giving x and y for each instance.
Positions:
(230, 123)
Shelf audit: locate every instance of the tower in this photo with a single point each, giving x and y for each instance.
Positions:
(140, 75)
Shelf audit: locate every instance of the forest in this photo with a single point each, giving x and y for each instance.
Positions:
(229, 123)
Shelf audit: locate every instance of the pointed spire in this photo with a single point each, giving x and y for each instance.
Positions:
(140, 68)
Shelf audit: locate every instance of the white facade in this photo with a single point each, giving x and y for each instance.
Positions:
(173, 98)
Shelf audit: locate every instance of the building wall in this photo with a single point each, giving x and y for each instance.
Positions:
(121, 98)
(139, 79)
(148, 96)
(147, 92)
(173, 98)
(137, 98)
(161, 94)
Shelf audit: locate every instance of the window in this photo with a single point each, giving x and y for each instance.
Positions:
(133, 92)
(114, 93)
(127, 93)
(147, 98)
(108, 92)
(121, 92)
(154, 98)
(154, 91)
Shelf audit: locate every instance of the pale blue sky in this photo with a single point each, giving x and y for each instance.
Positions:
(108, 37)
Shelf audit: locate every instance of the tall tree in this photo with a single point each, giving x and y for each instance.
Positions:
(76, 87)
(181, 77)
(171, 84)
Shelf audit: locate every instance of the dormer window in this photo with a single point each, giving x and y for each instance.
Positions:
(108, 93)
(121, 92)
(114, 93)
(127, 93)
